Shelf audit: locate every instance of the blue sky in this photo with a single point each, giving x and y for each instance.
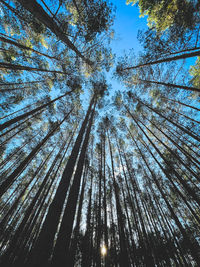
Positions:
(126, 25)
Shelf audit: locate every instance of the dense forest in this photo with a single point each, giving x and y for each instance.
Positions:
(91, 175)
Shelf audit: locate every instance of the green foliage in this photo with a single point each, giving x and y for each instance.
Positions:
(164, 14)
(144, 153)
(195, 72)
(91, 17)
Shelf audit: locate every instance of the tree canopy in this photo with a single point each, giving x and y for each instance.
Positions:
(92, 175)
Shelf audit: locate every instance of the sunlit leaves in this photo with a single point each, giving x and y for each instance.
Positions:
(164, 14)
(195, 72)
(43, 42)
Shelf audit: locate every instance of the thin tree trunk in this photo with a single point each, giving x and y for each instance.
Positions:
(99, 225)
(171, 121)
(168, 59)
(170, 150)
(10, 66)
(20, 117)
(105, 201)
(183, 115)
(188, 155)
(14, 112)
(5, 90)
(44, 244)
(11, 178)
(14, 153)
(16, 126)
(193, 249)
(180, 103)
(19, 83)
(189, 88)
(38, 12)
(124, 259)
(8, 41)
(190, 191)
(17, 200)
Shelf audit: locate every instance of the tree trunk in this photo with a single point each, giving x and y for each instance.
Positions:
(86, 253)
(99, 225)
(6, 40)
(10, 66)
(193, 250)
(171, 150)
(124, 259)
(19, 197)
(74, 242)
(171, 121)
(183, 115)
(168, 59)
(38, 12)
(11, 178)
(105, 201)
(20, 117)
(16, 126)
(61, 250)
(44, 245)
(180, 103)
(14, 153)
(194, 89)
(19, 83)
(188, 155)
(14, 112)
(190, 191)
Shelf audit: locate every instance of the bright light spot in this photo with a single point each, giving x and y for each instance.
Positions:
(103, 250)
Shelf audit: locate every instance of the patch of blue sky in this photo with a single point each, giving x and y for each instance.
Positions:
(126, 26)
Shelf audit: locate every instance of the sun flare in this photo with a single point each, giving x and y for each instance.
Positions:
(103, 250)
